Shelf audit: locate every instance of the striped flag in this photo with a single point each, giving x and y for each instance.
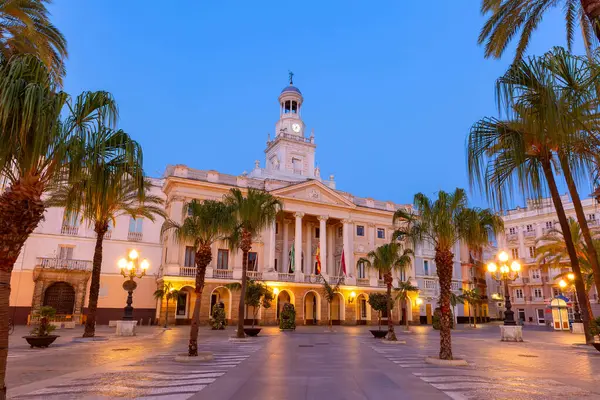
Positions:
(318, 271)
(343, 262)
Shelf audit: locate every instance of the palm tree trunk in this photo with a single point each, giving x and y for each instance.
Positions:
(591, 8)
(246, 245)
(444, 260)
(475, 316)
(585, 230)
(586, 312)
(470, 314)
(90, 323)
(203, 258)
(391, 334)
(21, 210)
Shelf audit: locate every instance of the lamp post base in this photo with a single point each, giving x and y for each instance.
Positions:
(577, 327)
(126, 328)
(511, 333)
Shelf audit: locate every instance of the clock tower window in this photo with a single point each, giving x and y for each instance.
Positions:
(289, 107)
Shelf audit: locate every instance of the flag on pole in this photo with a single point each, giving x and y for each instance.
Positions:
(343, 263)
(318, 271)
(292, 258)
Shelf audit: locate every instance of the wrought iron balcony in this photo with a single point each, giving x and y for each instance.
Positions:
(135, 236)
(68, 264)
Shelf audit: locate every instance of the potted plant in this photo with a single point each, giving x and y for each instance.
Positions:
(379, 303)
(41, 334)
(218, 320)
(257, 295)
(287, 318)
(595, 331)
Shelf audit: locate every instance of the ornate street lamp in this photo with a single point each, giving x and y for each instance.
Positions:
(131, 268)
(563, 284)
(506, 274)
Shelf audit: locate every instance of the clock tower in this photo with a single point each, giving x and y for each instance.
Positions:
(291, 153)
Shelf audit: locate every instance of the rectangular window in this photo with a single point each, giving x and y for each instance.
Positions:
(65, 252)
(71, 219)
(591, 217)
(403, 275)
(521, 314)
(380, 233)
(555, 291)
(135, 225)
(340, 231)
(190, 256)
(277, 228)
(360, 230)
(529, 228)
(537, 293)
(532, 252)
(182, 303)
(515, 253)
(361, 270)
(535, 273)
(297, 164)
(223, 259)
(363, 308)
(317, 233)
(519, 293)
(549, 224)
(512, 231)
(252, 261)
(425, 267)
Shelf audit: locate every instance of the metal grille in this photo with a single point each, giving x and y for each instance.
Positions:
(60, 296)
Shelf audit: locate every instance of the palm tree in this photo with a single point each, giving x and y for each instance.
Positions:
(35, 157)
(111, 184)
(508, 17)
(25, 28)
(519, 152)
(473, 297)
(329, 292)
(166, 291)
(553, 250)
(444, 222)
(253, 213)
(402, 294)
(386, 259)
(257, 295)
(454, 301)
(204, 223)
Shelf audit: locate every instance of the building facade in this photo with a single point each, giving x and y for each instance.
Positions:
(532, 293)
(55, 265)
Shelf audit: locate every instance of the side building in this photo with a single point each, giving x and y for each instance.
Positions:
(537, 285)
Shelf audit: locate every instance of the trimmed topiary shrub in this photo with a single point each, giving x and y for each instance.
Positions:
(287, 317)
(218, 321)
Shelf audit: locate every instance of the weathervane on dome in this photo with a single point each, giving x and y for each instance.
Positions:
(291, 74)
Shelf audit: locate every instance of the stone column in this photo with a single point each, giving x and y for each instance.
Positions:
(323, 243)
(308, 264)
(331, 246)
(285, 259)
(270, 262)
(347, 224)
(298, 245)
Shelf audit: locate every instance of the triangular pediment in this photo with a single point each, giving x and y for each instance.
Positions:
(313, 191)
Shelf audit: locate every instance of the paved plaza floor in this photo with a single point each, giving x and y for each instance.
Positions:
(309, 363)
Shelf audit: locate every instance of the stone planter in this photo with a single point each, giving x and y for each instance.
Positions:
(252, 331)
(377, 334)
(596, 346)
(40, 341)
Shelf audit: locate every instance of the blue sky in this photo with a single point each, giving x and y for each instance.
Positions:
(391, 87)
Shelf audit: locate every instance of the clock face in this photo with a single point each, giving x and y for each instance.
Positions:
(296, 128)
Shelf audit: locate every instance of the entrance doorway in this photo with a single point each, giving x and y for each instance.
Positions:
(61, 297)
(541, 319)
